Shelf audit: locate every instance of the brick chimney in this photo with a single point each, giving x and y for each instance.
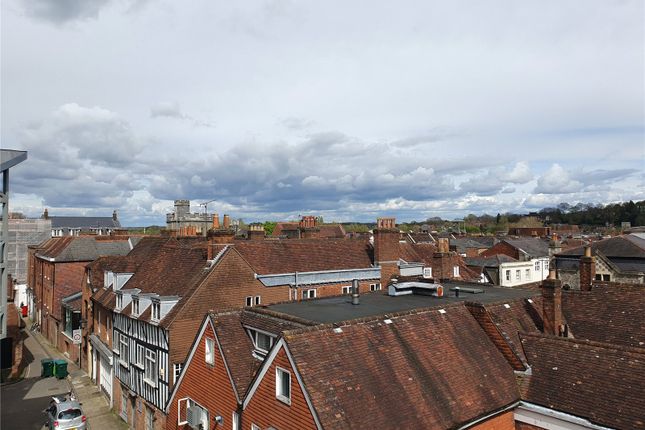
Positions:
(555, 247)
(221, 236)
(215, 221)
(114, 216)
(227, 222)
(46, 214)
(587, 270)
(552, 304)
(308, 227)
(442, 261)
(386, 249)
(255, 232)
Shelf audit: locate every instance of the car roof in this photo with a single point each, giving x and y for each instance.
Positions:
(63, 406)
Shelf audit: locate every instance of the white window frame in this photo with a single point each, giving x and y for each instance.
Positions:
(235, 421)
(151, 372)
(139, 360)
(528, 274)
(455, 271)
(347, 289)
(537, 266)
(135, 307)
(427, 272)
(255, 427)
(375, 287)
(254, 334)
(124, 350)
(306, 294)
(176, 371)
(518, 275)
(546, 265)
(279, 374)
(258, 300)
(209, 351)
(119, 301)
(249, 301)
(508, 274)
(156, 311)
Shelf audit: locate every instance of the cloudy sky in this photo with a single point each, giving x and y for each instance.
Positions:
(346, 109)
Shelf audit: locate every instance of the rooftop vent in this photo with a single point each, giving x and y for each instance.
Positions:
(419, 288)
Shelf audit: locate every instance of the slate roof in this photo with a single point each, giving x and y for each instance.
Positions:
(425, 369)
(420, 237)
(492, 261)
(534, 247)
(601, 382)
(626, 246)
(608, 313)
(73, 301)
(82, 248)
(305, 255)
(84, 222)
(463, 243)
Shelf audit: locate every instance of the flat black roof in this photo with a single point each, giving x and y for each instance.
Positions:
(336, 309)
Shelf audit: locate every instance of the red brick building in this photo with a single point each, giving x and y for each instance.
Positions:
(56, 270)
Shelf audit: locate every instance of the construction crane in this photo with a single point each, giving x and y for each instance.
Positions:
(205, 205)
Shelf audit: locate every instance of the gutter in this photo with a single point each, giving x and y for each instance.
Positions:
(561, 416)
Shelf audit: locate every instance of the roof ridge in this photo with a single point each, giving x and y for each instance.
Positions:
(584, 342)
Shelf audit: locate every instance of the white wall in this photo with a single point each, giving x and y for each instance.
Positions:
(534, 270)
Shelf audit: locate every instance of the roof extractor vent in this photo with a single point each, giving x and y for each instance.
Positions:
(338, 330)
(442, 311)
(507, 306)
(419, 288)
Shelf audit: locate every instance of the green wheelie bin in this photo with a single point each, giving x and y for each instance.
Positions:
(60, 369)
(47, 369)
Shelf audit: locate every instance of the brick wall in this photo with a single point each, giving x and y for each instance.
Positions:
(504, 421)
(266, 410)
(217, 396)
(135, 409)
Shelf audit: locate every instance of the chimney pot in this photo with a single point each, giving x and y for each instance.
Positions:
(355, 292)
(227, 221)
(587, 251)
(215, 221)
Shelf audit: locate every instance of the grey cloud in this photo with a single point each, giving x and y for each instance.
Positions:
(557, 180)
(167, 109)
(604, 175)
(62, 11)
(296, 124)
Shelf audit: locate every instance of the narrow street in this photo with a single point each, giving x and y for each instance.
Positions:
(23, 401)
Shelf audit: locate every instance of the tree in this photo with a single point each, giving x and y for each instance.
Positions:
(269, 226)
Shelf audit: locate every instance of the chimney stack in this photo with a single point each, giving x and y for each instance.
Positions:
(442, 261)
(227, 222)
(552, 304)
(386, 248)
(46, 214)
(255, 232)
(587, 269)
(114, 217)
(215, 221)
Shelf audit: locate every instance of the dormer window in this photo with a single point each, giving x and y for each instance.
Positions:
(262, 341)
(156, 311)
(455, 271)
(135, 306)
(119, 301)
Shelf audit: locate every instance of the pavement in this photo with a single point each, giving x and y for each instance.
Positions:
(23, 401)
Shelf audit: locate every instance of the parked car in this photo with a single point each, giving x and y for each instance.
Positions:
(65, 415)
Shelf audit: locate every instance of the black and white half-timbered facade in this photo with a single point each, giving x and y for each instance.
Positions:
(141, 346)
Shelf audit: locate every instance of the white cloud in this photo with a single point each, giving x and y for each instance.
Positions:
(557, 180)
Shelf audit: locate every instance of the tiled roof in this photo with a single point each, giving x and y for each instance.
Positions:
(421, 237)
(424, 370)
(288, 256)
(280, 227)
(81, 248)
(611, 313)
(463, 243)
(600, 382)
(237, 346)
(503, 321)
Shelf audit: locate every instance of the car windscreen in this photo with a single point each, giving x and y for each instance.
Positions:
(69, 414)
